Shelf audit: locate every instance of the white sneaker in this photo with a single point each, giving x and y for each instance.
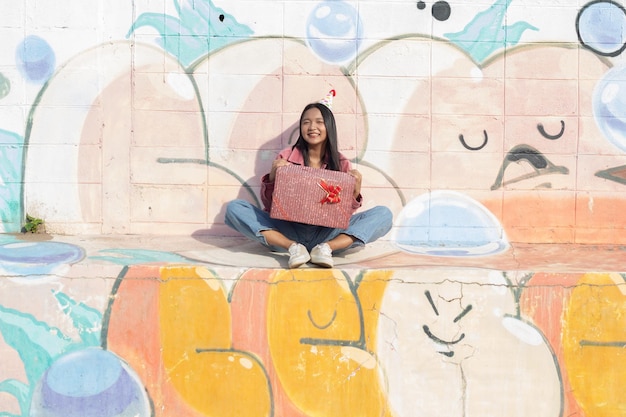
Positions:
(298, 255)
(322, 255)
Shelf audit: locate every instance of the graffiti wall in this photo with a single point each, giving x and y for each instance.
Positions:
(481, 125)
(149, 116)
(189, 339)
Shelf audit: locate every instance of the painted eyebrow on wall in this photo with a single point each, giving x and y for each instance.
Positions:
(432, 303)
(463, 313)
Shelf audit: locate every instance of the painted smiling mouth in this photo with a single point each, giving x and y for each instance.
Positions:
(537, 160)
(439, 341)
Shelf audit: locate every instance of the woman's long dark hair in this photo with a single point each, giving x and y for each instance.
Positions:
(331, 157)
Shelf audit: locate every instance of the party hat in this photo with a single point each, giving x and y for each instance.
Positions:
(328, 100)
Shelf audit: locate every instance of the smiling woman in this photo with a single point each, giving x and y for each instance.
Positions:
(304, 239)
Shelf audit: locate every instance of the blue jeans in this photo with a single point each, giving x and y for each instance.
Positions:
(250, 221)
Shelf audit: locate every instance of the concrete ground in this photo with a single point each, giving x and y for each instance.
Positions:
(103, 255)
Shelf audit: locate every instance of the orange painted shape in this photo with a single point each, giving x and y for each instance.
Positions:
(185, 344)
(250, 309)
(140, 285)
(543, 300)
(133, 333)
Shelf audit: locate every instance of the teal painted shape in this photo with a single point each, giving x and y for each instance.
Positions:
(20, 391)
(4, 239)
(87, 320)
(11, 160)
(199, 29)
(38, 344)
(140, 256)
(486, 33)
(5, 86)
(35, 341)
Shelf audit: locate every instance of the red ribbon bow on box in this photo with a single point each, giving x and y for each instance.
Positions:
(332, 193)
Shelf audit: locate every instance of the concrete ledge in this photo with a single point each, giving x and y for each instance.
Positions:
(103, 255)
(170, 309)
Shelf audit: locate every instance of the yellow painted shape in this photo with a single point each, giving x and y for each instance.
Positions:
(195, 323)
(194, 311)
(223, 384)
(594, 344)
(312, 318)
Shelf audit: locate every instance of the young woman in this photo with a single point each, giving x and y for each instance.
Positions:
(316, 147)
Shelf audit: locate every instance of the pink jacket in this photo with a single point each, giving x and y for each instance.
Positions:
(294, 156)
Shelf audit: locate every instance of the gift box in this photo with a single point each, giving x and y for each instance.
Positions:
(313, 196)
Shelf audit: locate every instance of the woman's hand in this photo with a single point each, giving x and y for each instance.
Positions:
(357, 183)
(275, 165)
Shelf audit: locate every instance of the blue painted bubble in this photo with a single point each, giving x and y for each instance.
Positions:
(334, 31)
(90, 383)
(448, 223)
(609, 106)
(601, 27)
(35, 59)
(34, 259)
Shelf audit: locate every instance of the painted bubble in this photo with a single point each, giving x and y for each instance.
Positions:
(90, 383)
(35, 59)
(334, 31)
(609, 106)
(36, 259)
(448, 223)
(601, 27)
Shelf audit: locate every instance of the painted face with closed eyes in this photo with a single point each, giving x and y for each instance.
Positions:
(516, 133)
(450, 343)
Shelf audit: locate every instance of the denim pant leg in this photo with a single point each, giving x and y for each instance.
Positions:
(247, 219)
(250, 221)
(367, 226)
